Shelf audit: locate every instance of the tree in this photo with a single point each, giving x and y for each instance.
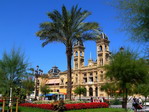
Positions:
(44, 89)
(112, 89)
(67, 28)
(135, 17)
(126, 68)
(28, 84)
(80, 91)
(12, 68)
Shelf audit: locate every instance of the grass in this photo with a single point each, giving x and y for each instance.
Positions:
(29, 109)
(99, 110)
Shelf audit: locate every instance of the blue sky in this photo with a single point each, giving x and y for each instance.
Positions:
(20, 21)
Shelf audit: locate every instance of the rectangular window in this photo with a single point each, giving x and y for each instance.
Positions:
(84, 80)
(91, 79)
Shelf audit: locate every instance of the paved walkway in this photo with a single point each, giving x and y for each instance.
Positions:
(129, 106)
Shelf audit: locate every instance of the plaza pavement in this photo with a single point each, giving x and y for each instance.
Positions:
(129, 106)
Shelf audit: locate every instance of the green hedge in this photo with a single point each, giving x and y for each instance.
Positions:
(115, 102)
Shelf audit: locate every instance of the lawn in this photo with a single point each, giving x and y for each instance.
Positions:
(29, 109)
(99, 110)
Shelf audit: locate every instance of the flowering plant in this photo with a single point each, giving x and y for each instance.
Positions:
(61, 105)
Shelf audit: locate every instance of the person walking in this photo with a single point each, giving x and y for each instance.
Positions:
(134, 104)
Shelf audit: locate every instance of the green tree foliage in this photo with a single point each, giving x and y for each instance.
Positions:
(44, 89)
(28, 84)
(126, 68)
(68, 27)
(80, 91)
(12, 68)
(135, 17)
(112, 89)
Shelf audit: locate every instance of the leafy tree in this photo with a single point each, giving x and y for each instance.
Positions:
(112, 89)
(126, 68)
(68, 28)
(44, 89)
(28, 85)
(12, 69)
(135, 17)
(80, 91)
(143, 88)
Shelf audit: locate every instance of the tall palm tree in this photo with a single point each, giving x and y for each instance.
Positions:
(68, 27)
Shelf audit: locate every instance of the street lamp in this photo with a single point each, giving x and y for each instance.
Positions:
(37, 72)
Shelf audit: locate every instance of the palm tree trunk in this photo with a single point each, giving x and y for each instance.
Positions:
(69, 77)
(80, 97)
(126, 98)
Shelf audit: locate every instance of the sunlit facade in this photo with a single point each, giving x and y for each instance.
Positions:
(90, 76)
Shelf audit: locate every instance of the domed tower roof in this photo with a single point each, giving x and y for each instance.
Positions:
(104, 36)
(54, 71)
(79, 43)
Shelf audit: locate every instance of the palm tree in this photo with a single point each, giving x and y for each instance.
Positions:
(68, 27)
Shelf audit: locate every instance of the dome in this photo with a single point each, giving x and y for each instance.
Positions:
(78, 43)
(54, 70)
(104, 36)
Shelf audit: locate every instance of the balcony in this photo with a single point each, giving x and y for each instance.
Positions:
(90, 82)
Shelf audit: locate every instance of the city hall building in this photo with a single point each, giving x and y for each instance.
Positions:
(91, 76)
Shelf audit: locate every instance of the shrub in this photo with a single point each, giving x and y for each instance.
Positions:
(42, 102)
(115, 102)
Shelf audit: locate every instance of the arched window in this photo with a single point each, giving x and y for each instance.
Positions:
(80, 53)
(76, 53)
(100, 48)
(90, 91)
(96, 91)
(62, 81)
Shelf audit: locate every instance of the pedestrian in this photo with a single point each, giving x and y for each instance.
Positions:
(134, 104)
(140, 101)
(91, 99)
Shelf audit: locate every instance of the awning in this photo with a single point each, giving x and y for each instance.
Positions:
(49, 94)
(53, 81)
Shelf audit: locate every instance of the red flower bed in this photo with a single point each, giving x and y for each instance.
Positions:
(1, 100)
(86, 105)
(43, 106)
(69, 106)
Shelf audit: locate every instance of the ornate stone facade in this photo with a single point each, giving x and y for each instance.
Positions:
(91, 76)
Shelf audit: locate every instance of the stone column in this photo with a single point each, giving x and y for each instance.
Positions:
(87, 74)
(94, 93)
(87, 91)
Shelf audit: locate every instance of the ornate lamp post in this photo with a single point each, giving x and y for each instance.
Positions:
(37, 72)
